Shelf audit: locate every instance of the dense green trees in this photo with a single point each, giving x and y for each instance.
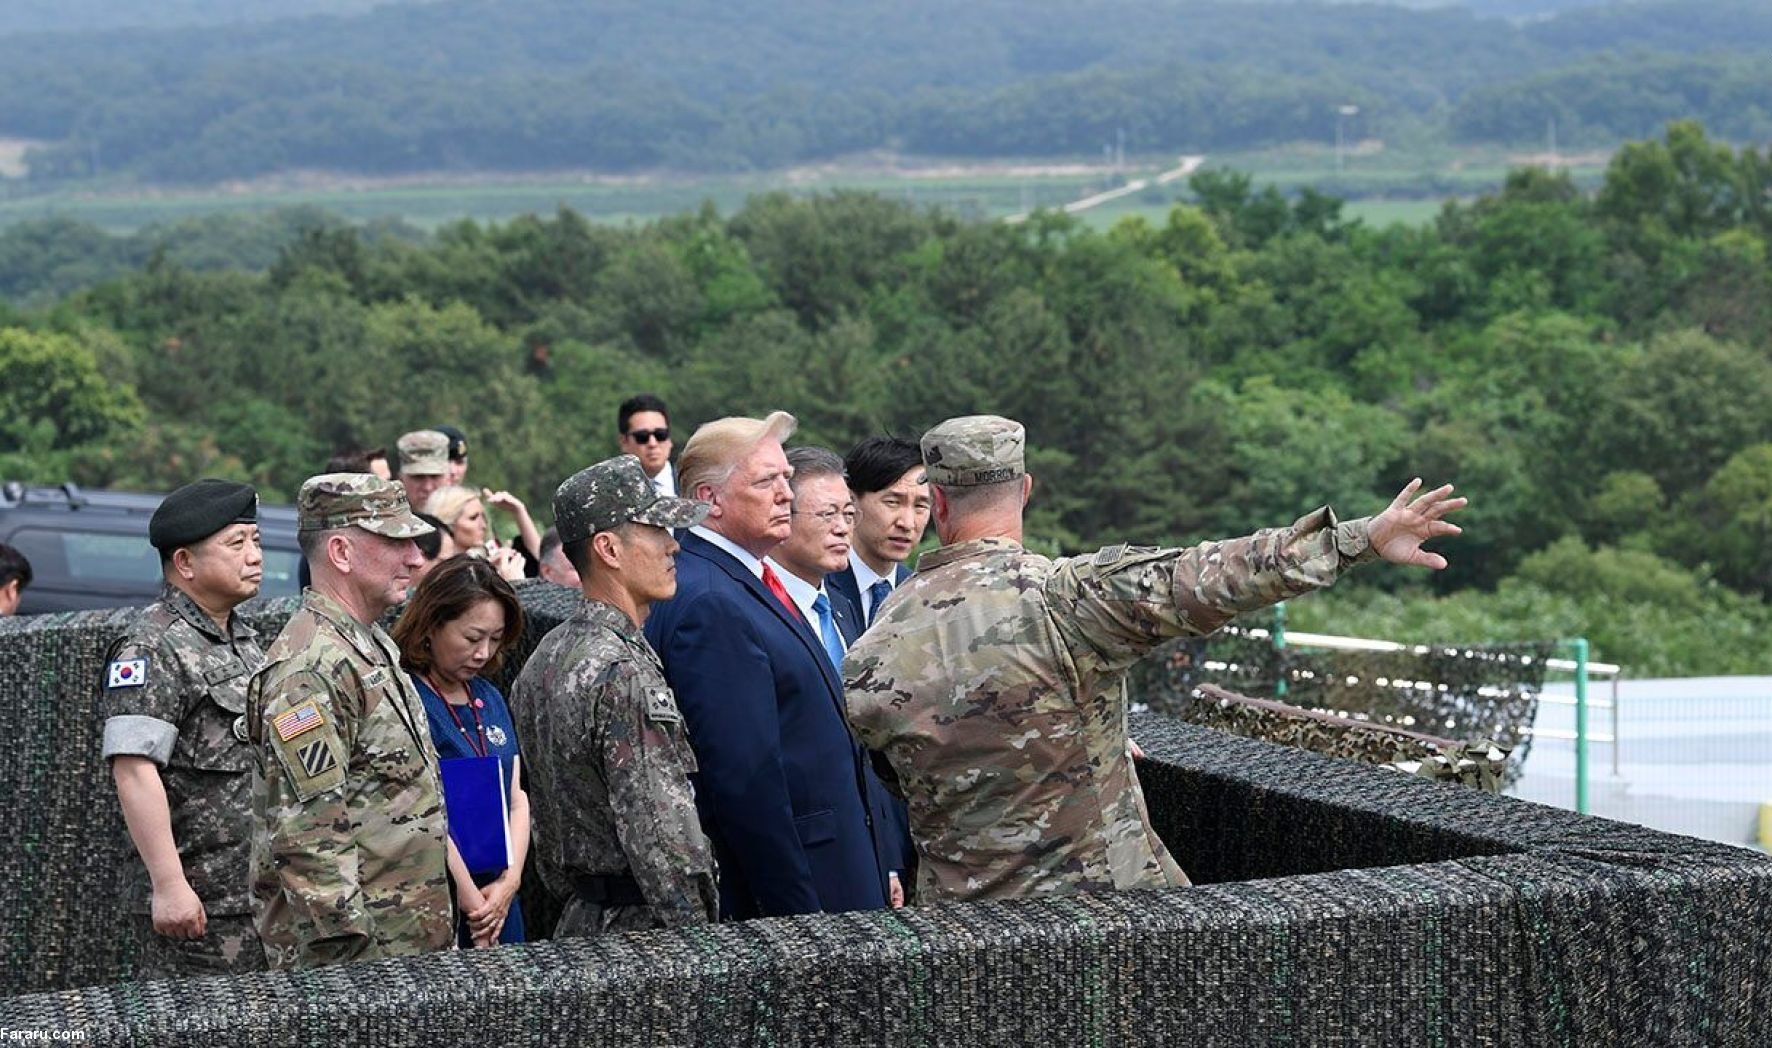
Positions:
(531, 85)
(1595, 371)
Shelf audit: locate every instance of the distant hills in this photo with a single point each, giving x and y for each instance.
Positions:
(35, 16)
(622, 85)
(32, 16)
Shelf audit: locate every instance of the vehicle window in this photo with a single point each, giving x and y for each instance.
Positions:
(113, 563)
(282, 579)
(124, 561)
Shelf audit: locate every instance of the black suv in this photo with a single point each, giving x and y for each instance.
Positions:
(89, 549)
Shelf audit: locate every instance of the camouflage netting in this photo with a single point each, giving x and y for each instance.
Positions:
(1480, 764)
(1464, 693)
(1338, 903)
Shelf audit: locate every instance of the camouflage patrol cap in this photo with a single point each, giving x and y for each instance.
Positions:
(613, 492)
(364, 500)
(974, 450)
(423, 453)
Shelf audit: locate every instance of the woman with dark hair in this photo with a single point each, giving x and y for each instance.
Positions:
(461, 622)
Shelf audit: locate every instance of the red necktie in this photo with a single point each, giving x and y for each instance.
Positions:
(773, 581)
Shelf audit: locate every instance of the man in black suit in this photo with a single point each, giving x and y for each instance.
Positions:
(892, 509)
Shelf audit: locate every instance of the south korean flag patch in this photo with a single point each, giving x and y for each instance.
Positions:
(127, 673)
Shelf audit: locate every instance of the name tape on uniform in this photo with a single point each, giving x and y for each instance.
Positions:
(127, 673)
(305, 717)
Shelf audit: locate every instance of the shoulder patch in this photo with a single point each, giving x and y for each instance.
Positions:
(304, 717)
(313, 764)
(127, 673)
(316, 757)
(1110, 555)
(662, 707)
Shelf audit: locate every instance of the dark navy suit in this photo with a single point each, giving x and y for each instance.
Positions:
(782, 785)
(844, 582)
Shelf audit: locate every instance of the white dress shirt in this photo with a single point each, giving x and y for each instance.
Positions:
(803, 594)
(752, 564)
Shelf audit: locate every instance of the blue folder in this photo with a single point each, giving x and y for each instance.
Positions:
(479, 819)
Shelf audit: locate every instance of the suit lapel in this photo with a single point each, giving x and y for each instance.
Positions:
(848, 619)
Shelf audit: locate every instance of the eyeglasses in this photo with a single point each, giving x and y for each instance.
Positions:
(644, 436)
(827, 517)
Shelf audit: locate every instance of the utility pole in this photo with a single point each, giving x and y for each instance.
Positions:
(1120, 151)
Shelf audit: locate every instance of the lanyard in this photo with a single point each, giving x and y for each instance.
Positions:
(477, 741)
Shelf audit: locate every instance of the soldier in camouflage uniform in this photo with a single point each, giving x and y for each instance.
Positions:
(607, 757)
(174, 693)
(348, 852)
(992, 682)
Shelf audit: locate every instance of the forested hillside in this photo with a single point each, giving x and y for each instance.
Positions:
(35, 16)
(620, 85)
(1595, 371)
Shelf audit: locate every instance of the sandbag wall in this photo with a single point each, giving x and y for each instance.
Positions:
(1338, 904)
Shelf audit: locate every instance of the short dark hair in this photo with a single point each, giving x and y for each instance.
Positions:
(355, 460)
(876, 463)
(809, 461)
(446, 594)
(550, 541)
(13, 565)
(634, 405)
(578, 554)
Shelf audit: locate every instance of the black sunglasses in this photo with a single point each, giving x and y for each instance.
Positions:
(642, 436)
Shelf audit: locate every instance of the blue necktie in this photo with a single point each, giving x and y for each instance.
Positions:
(827, 630)
(877, 596)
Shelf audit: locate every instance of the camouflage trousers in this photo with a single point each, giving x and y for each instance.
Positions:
(582, 919)
(229, 946)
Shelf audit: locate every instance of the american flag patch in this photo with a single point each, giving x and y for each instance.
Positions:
(302, 718)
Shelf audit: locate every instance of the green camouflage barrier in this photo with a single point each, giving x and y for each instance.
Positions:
(1452, 692)
(1480, 763)
(1337, 904)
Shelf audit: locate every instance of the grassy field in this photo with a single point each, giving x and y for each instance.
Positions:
(1383, 186)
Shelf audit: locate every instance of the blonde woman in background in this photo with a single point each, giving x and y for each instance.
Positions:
(463, 512)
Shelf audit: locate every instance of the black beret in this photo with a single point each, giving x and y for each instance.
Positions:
(197, 511)
(458, 442)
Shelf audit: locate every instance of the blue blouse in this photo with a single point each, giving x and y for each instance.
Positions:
(452, 740)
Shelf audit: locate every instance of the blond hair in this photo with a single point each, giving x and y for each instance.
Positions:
(717, 447)
(447, 502)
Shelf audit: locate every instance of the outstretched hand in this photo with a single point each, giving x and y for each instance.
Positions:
(1410, 520)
